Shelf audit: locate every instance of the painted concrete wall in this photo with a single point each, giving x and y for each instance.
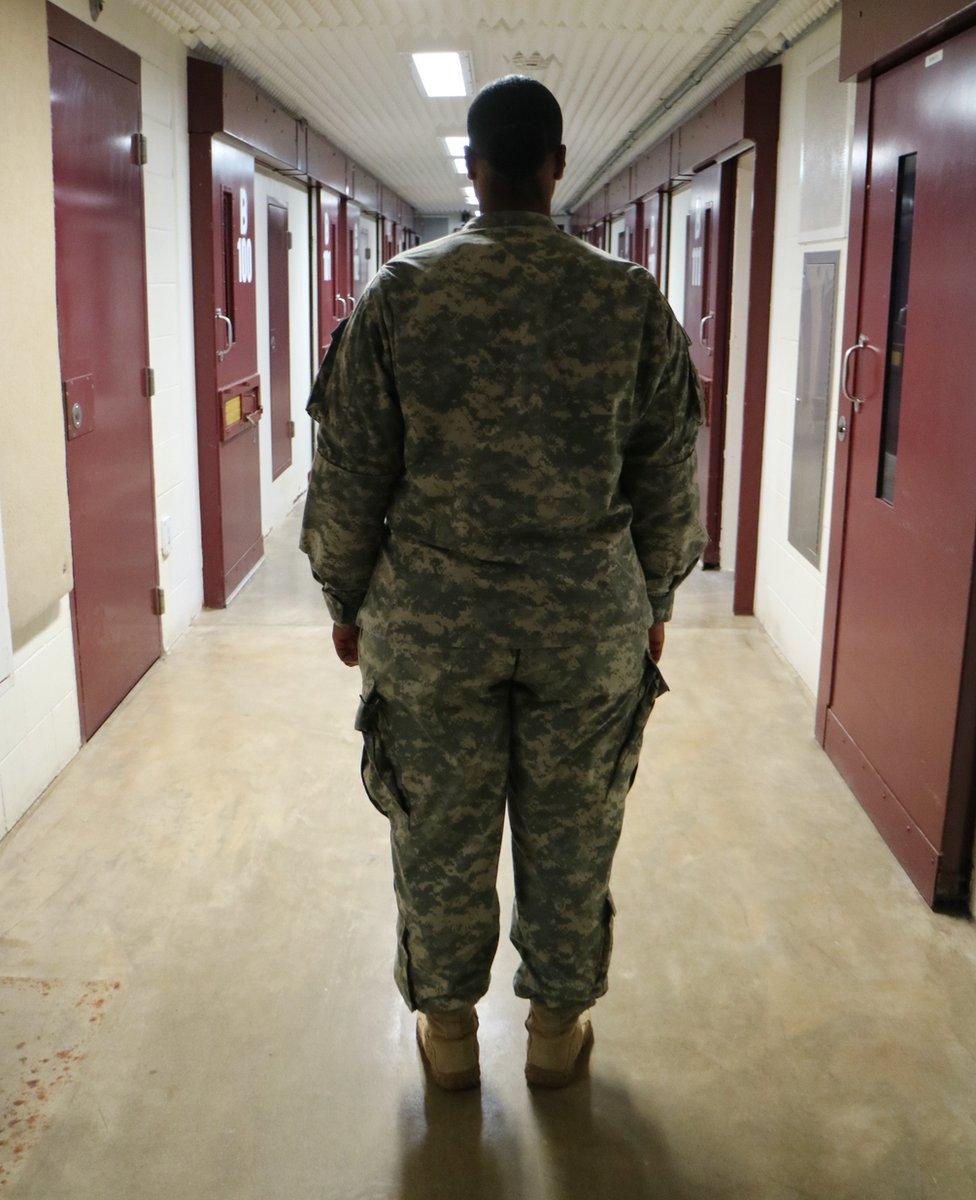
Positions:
(39, 728)
(38, 703)
(279, 495)
(812, 198)
(738, 335)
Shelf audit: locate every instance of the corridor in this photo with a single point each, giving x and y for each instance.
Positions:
(196, 935)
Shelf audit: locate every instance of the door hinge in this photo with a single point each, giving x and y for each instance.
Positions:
(149, 382)
(288, 236)
(140, 149)
(291, 429)
(158, 601)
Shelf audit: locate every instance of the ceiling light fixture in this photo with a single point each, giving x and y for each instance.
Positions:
(460, 166)
(470, 196)
(441, 73)
(455, 146)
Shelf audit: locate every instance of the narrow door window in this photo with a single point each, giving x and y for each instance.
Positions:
(897, 325)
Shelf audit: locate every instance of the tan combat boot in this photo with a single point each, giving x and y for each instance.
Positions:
(557, 1039)
(449, 1043)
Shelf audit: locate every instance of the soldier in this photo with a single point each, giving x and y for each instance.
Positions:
(502, 503)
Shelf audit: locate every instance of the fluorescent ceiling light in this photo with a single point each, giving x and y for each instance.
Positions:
(441, 73)
(469, 195)
(455, 146)
(460, 166)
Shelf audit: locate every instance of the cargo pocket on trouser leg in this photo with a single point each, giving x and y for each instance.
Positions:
(652, 685)
(609, 912)
(377, 769)
(402, 971)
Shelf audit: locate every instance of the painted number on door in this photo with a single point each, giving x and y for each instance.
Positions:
(245, 247)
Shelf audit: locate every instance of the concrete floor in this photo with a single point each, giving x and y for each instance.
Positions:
(196, 931)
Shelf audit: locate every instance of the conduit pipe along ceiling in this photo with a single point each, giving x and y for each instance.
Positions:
(347, 66)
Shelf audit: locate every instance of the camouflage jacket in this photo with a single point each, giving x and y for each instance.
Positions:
(506, 444)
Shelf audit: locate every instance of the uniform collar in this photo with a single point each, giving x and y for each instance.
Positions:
(513, 218)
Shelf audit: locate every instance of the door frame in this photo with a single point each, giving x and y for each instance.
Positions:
(943, 879)
(75, 35)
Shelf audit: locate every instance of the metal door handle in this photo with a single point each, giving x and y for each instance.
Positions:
(222, 316)
(352, 302)
(701, 328)
(857, 401)
(342, 300)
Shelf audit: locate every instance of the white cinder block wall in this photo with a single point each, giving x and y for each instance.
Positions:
(39, 724)
(279, 495)
(815, 127)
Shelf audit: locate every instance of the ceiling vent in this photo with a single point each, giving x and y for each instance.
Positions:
(535, 61)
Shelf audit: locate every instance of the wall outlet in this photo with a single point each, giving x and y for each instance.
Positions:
(166, 536)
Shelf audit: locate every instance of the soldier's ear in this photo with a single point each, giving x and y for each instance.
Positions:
(469, 160)
(560, 163)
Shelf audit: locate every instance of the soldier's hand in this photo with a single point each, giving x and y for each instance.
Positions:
(345, 638)
(655, 641)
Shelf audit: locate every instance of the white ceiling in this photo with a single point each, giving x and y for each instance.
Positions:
(344, 65)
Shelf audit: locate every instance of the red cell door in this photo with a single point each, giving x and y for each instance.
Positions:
(331, 262)
(279, 338)
(103, 338)
(228, 386)
(900, 703)
(708, 285)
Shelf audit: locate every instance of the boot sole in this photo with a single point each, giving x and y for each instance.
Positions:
(541, 1077)
(453, 1081)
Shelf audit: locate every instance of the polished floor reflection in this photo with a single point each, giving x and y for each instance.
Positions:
(196, 938)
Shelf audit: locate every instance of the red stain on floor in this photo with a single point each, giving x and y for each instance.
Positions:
(27, 1105)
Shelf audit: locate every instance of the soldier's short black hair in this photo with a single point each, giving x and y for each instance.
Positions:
(513, 124)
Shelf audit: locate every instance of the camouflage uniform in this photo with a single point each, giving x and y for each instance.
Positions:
(504, 499)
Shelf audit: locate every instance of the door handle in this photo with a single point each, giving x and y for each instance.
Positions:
(701, 329)
(849, 353)
(342, 300)
(352, 302)
(222, 316)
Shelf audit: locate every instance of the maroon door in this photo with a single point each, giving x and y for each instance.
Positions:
(708, 278)
(228, 386)
(900, 719)
(331, 256)
(279, 338)
(102, 330)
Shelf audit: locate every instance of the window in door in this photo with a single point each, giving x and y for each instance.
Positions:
(897, 325)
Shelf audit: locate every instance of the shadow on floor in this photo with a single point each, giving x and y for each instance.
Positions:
(588, 1141)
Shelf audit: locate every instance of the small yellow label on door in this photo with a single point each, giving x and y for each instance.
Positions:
(233, 411)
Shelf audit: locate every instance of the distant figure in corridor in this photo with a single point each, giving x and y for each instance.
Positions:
(502, 503)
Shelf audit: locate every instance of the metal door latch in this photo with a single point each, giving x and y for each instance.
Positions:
(841, 429)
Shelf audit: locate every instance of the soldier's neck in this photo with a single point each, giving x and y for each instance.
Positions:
(515, 201)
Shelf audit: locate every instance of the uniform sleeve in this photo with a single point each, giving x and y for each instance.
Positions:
(660, 464)
(358, 459)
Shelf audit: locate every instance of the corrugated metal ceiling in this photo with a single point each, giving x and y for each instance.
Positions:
(344, 65)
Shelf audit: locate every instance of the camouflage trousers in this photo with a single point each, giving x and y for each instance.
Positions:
(454, 735)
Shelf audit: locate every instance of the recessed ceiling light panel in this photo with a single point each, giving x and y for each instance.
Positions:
(460, 166)
(455, 146)
(441, 73)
